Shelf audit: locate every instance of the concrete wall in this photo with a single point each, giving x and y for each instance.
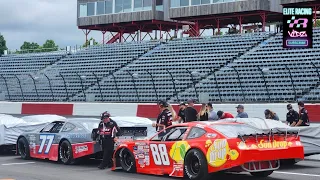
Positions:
(142, 110)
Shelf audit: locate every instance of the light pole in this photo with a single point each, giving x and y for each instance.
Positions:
(65, 85)
(133, 77)
(97, 79)
(293, 86)
(115, 82)
(6, 83)
(82, 86)
(238, 76)
(154, 86)
(263, 72)
(20, 87)
(193, 81)
(174, 84)
(50, 85)
(35, 86)
(216, 82)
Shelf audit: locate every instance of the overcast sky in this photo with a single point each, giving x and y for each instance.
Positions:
(39, 20)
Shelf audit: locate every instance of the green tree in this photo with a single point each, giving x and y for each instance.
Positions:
(88, 42)
(318, 23)
(30, 46)
(49, 45)
(3, 45)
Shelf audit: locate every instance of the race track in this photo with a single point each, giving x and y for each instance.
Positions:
(12, 167)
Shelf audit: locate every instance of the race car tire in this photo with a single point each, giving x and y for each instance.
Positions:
(262, 173)
(195, 165)
(23, 148)
(65, 153)
(127, 160)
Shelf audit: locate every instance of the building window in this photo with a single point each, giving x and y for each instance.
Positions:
(109, 6)
(195, 2)
(138, 6)
(83, 10)
(91, 9)
(184, 2)
(100, 7)
(159, 5)
(127, 6)
(205, 1)
(175, 3)
(147, 4)
(118, 6)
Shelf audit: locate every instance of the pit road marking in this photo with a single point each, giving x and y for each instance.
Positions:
(10, 164)
(299, 174)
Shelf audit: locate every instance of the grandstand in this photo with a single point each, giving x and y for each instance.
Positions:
(244, 67)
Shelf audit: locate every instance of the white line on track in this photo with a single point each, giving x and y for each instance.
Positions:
(10, 164)
(299, 174)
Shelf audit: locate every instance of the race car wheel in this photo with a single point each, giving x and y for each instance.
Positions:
(23, 148)
(195, 165)
(261, 174)
(65, 153)
(127, 160)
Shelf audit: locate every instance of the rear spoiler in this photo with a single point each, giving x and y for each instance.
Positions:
(270, 134)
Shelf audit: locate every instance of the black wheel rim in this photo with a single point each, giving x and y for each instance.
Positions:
(65, 152)
(22, 149)
(127, 159)
(194, 165)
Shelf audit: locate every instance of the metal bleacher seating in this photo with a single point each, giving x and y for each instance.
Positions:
(275, 63)
(184, 58)
(141, 71)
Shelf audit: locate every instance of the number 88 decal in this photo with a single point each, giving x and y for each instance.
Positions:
(160, 154)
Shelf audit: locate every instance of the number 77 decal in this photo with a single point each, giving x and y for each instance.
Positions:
(43, 139)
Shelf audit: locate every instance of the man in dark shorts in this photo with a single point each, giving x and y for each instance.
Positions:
(191, 112)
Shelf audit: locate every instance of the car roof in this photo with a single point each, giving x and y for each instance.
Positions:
(78, 120)
(208, 123)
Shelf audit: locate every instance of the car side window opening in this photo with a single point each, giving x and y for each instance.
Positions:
(57, 127)
(196, 132)
(177, 134)
(160, 138)
(68, 127)
(48, 127)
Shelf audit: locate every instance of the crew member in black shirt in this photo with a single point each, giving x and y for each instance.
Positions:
(190, 112)
(303, 115)
(181, 114)
(108, 130)
(164, 119)
(292, 116)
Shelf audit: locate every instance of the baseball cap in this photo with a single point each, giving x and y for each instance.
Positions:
(190, 101)
(289, 106)
(300, 103)
(182, 104)
(240, 106)
(163, 103)
(105, 114)
(219, 113)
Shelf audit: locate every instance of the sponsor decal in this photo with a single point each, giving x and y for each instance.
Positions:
(263, 144)
(211, 135)
(77, 135)
(147, 160)
(80, 149)
(135, 148)
(218, 151)
(178, 151)
(177, 167)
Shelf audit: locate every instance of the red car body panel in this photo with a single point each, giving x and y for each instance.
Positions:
(221, 152)
(78, 150)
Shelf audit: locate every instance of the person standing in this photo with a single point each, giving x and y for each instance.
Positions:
(224, 115)
(292, 116)
(270, 115)
(164, 119)
(108, 130)
(203, 114)
(181, 113)
(303, 115)
(241, 113)
(191, 112)
(212, 115)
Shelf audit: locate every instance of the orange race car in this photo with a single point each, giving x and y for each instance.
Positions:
(197, 149)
